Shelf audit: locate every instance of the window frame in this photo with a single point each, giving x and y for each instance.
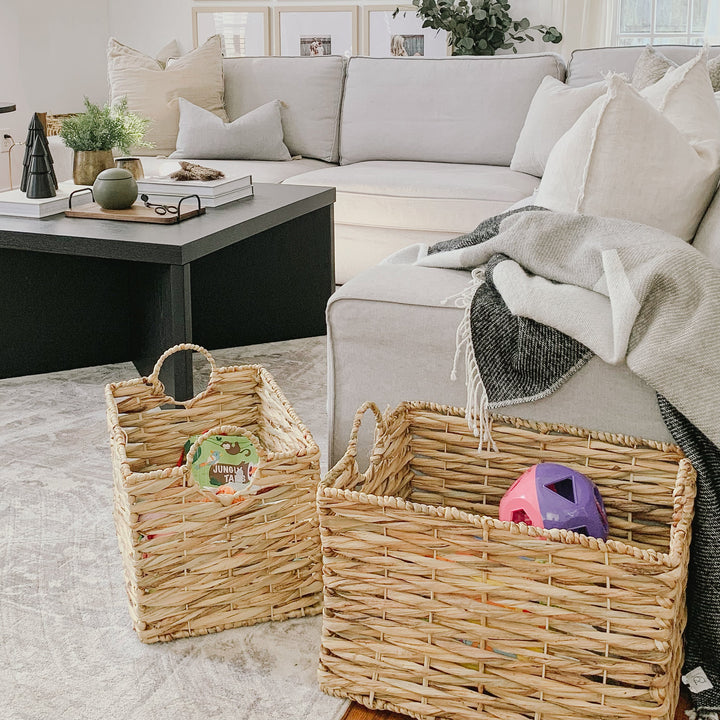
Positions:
(685, 37)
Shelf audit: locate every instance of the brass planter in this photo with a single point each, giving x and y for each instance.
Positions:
(88, 164)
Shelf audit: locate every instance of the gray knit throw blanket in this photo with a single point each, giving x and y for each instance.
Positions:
(519, 359)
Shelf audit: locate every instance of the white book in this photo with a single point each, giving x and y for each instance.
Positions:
(164, 185)
(17, 203)
(162, 199)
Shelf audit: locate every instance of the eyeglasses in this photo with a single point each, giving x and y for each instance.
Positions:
(159, 208)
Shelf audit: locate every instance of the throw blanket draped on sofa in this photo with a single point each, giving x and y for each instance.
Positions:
(551, 289)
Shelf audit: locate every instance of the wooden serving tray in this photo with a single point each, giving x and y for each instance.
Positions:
(136, 213)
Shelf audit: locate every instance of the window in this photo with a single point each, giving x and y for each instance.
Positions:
(660, 22)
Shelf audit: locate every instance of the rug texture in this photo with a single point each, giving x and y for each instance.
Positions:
(67, 648)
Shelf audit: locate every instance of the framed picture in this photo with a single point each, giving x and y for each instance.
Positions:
(245, 31)
(402, 35)
(315, 31)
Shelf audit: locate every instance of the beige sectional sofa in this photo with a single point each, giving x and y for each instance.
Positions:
(418, 149)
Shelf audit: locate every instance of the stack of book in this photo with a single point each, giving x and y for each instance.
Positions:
(212, 193)
(16, 202)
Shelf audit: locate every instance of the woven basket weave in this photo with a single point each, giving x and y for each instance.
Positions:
(435, 609)
(196, 562)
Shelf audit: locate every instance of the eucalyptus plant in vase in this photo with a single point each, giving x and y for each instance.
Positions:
(480, 27)
(95, 133)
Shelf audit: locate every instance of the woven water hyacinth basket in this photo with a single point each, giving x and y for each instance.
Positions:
(436, 609)
(196, 562)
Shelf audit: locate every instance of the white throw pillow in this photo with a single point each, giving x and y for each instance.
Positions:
(624, 158)
(151, 89)
(553, 111)
(707, 238)
(257, 135)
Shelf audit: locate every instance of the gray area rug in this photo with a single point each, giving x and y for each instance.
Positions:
(67, 648)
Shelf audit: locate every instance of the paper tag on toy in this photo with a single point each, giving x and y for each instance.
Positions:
(697, 680)
(224, 461)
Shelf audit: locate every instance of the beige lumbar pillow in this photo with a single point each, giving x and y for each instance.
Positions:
(553, 111)
(152, 90)
(257, 135)
(626, 158)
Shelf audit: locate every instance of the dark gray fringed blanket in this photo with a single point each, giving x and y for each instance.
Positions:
(519, 359)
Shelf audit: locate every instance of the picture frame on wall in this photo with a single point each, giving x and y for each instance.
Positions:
(245, 31)
(402, 35)
(316, 31)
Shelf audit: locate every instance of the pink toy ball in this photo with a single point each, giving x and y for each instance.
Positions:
(550, 495)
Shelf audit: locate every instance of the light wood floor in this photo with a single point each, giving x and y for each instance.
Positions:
(358, 712)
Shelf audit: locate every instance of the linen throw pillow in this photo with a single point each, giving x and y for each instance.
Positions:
(553, 111)
(257, 135)
(652, 65)
(151, 90)
(625, 158)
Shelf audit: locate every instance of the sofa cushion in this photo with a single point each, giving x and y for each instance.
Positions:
(457, 109)
(382, 206)
(310, 92)
(152, 89)
(262, 171)
(589, 66)
(384, 319)
(420, 195)
(258, 135)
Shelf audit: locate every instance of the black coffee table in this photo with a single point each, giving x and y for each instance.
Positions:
(76, 292)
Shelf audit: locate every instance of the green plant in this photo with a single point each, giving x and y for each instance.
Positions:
(479, 27)
(111, 126)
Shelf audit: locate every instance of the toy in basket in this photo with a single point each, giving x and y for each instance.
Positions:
(435, 608)
(197, 559)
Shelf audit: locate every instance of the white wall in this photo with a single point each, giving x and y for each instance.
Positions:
(52, 53)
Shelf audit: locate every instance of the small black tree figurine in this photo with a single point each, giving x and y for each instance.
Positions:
(40, 183)
(36, 130)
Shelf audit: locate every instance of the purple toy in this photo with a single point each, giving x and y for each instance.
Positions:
(550, 495)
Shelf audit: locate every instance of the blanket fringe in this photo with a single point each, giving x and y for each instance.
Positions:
(477, 404)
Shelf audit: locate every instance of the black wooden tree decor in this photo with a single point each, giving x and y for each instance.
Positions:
(36, 130)
(40, 180)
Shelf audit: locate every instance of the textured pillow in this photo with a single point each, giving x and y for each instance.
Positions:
(553, 111)
(707, 238)
(257, 135)
(171, 51)
(150, 89)
(652, 65)
(626, 159)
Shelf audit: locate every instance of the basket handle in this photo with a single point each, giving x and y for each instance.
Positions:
(159, 389)
(221, 430)
(357, 422)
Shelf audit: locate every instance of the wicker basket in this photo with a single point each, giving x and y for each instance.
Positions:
(436, 610)
(196, 562)
(53, 123)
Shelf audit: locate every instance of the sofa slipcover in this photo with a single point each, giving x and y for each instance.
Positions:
(391, 337)
(405, 202)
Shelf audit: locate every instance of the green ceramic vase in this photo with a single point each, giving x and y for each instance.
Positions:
(115, 189)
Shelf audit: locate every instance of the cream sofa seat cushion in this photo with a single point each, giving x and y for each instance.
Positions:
(418, 195)
(624, 158)
(383, 206)
(310, 93)
(391, 337)
(262, 171)
(152, 89)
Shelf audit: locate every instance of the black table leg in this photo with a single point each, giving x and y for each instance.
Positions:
(164, 315)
